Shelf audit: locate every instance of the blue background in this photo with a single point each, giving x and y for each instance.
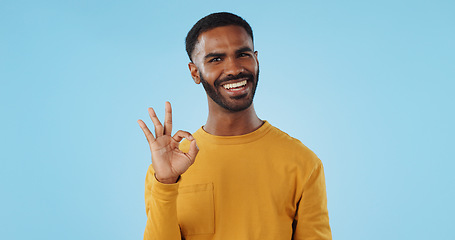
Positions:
(367, 85)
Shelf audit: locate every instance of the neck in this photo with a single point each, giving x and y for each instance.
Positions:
(222, 122)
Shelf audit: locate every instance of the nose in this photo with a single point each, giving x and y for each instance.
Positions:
(233, 67)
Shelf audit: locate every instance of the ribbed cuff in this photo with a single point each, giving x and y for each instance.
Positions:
(164, 191)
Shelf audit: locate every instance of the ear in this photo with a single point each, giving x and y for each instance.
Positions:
(194, 72)
(256, 55)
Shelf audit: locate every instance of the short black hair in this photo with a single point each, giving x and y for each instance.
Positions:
(212, 21)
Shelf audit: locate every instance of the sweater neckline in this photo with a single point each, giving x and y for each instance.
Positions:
(239, 139)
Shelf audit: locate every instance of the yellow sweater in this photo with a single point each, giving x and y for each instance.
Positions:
(262, 185)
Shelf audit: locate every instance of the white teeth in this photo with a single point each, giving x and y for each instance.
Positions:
(235, 85)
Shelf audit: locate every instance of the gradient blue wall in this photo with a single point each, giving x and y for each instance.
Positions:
(368, 85)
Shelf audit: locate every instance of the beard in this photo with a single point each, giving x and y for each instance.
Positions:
(233, 104)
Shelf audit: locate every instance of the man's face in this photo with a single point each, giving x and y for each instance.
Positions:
(225, 62)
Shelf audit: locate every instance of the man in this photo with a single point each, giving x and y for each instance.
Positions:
(237, 177)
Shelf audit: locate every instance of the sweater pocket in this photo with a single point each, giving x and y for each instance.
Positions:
(195, 209)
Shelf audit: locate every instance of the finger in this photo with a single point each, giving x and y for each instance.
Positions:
(179, 135)
(156, 122)
(194, 149)
(147, 133)
(168, 119)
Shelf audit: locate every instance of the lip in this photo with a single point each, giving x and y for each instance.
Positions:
(234, 92)
(235, 81)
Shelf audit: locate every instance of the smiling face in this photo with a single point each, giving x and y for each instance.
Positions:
(225, 62)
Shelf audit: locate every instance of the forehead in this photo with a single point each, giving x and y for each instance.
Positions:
(222, 39)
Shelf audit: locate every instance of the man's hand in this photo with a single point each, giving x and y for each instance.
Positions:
(167, 159)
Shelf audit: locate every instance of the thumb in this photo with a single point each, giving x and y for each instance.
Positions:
(192, 152)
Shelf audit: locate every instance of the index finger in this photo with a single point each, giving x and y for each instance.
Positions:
(168, 119)
(147, 133)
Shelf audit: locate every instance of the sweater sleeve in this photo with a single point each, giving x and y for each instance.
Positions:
(312, 218)
(161, 209)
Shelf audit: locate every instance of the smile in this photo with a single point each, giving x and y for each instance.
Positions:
(235, 85)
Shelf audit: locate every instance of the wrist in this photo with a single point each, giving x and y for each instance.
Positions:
(171, 180)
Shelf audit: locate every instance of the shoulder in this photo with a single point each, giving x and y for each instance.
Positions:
(293, 147)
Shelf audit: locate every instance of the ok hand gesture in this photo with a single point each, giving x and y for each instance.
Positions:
(167, 159)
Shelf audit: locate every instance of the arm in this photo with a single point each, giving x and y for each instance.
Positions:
(312, 218)
(161, 187)
(161, 209)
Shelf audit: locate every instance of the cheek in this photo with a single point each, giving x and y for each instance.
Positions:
(251, 65)
(210, 74)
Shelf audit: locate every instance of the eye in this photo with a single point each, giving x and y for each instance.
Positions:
(215, 59)
(244, 55)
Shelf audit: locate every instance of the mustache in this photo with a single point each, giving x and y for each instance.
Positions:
(220, 81)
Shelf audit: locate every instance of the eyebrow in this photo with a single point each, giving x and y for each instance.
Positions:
(243, 49)
(210, 55)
